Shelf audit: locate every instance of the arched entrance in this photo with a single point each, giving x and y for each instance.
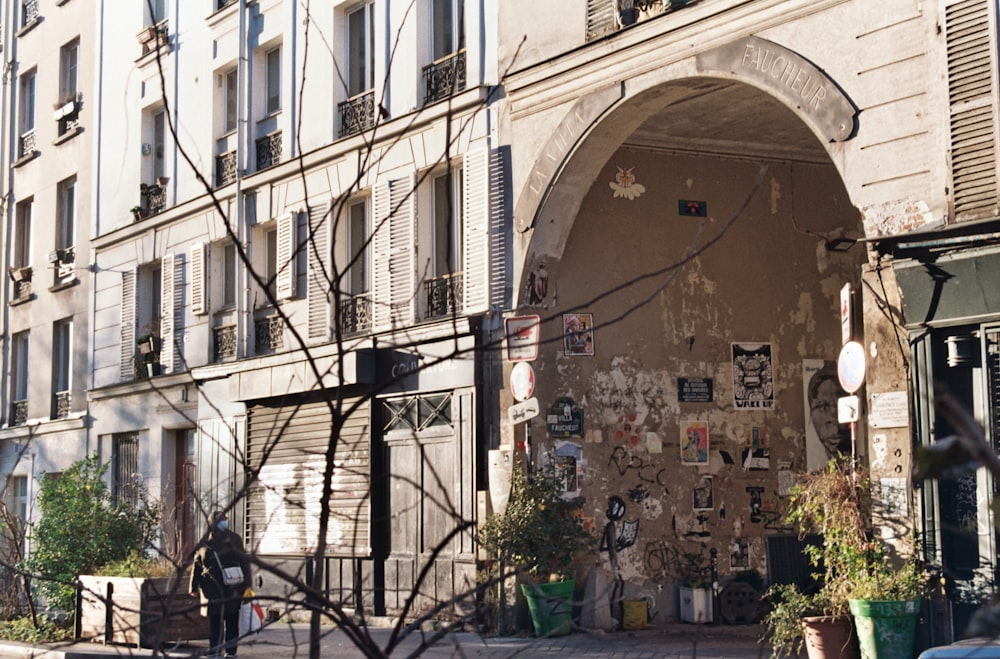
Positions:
(686, 259)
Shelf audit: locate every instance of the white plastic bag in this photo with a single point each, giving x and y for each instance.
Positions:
(251, 615)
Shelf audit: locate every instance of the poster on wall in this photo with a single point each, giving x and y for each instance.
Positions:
(702, 497)
(825, 436)
(753, 376)
(578, 334)
(694, 442)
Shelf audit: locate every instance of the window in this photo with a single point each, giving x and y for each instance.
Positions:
(69, 57)
(159, 131)
(271, 259)
(229, 262)
(17, 499)
(27, 114)
(149, 299)
(231, 89)
(21, 256)
(414, 414)
(361, 49)
(447, 204)
(29, 12)
(62, 358)
(125, 468)
(448, 18)
(358, 280)
(19, 378)
(66, 209)
(272, 80)
(155, 11)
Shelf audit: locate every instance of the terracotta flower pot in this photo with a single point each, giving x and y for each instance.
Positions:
(830, 637)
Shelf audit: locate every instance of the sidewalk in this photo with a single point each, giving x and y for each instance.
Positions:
(277, 641)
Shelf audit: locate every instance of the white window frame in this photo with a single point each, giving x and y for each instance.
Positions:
(447, 27)
(448, 227)
(20, 345)
(272, 80)
(359, 227)
(28, 98)
(69, 71)
(230, 100)
(66, 209)
(21, 256)
(62, 355)
(360, 53)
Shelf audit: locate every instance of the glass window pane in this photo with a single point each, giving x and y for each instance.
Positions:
(273, 81)
(231, 101)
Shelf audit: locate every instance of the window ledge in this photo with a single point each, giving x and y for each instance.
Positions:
(67, 136)
(25, 159)
(60, 3)
(28, 27)
(269, 116)
(63, 285)
(18, 301)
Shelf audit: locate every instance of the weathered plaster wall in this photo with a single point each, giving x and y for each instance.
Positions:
(669, 295)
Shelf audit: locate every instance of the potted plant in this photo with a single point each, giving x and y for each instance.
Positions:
(831, 502)
(695, 589)
(138, 213)
(540, 534)
(148, 343)
(20, 274)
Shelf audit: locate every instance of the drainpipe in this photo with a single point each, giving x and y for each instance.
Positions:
(8, 97)
(242, 154)
(954, 241)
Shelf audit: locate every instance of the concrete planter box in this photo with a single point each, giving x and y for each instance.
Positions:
(139, 612)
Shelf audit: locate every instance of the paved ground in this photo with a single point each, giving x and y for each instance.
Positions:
(278, 641)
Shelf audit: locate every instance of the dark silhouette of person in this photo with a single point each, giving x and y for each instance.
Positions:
(221, 548)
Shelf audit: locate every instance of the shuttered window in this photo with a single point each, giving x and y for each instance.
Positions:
(971, 36)
(199, 285)
(128, 326)
(285, 279)
(476, 231)
(318, 284)
(393, 245)
(168, 311)
(283, 507)
(600, 19)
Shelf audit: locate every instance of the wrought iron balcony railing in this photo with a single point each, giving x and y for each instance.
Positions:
(445, 295)
(61, 401)
(269, 334)
(445, 77)
(225, 169)
(268, 150)
(356, 313)
(29, 143)
(18, 412)
(29, 12)
(357, 114)
(224, 340)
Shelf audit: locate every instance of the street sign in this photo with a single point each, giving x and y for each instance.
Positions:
(847, 409)
(523, 411)
(845, 314)
(522, 381)
(522, 338)
(851, 366)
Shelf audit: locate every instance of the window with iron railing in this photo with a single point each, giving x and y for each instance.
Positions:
(444, 77)
(356, 313)
(444, 295)
(224, 343)
(357, 114)
(269, 334)
(268, 150)
(29, 12)
(225, 169)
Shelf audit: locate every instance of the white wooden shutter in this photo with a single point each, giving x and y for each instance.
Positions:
(199, 285)
(970, 29)
(167, 312)
(128, 326)
(318, 285)
(285, 258)
(394, 243)
(476, 231)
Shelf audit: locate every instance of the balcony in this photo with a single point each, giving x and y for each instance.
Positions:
(445, 295)
(18, 412)
(21, 278)
(356, 313)
(225, 169)
(445, 77)
(269, 334)
(29, 13)
(61, 402)
(63, 261)
(357, 114)
(153, 197)
(224, 343)
(268, 150)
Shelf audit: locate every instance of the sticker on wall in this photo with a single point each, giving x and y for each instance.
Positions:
(753, 376)
(756, 504)
(739, 554)
(628, 429)
(756, 459)
(567, 458)
(565, 418)
(702, 495)
(624, 184)
(825, 435)
(538, 285)
(694, 442)
(578, 334)
(755, 436)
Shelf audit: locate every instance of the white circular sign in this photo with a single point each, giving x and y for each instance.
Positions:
(851, 366)
(522, 381)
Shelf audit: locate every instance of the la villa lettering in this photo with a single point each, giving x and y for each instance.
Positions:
(775, 65)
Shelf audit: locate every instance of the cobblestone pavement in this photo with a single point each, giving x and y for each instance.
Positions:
(278, 641)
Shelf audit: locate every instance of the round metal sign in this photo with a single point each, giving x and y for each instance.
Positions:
(522, 381)
(851, 366)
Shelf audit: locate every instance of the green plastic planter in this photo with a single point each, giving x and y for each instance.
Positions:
(885, 628)
(551, 607)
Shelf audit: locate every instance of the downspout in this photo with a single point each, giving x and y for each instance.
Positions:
(95, 204)
(7, 126)
(242, 154)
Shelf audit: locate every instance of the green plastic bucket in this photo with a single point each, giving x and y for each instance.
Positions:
(885, 627)
(551, 607)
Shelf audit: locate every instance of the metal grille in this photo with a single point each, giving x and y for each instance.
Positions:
(69, 122)
(18, 412)
(445, 295)
(61, 404)
(225, 342)
(269, 150)
(125, 468)
(445, 77)
(222, 4)
(225, 169)
(416, 413)
(356, 313)
(269, 334)
(156, 198)
(28, 143)
(30, 13)
(22, 289)
(357, 114)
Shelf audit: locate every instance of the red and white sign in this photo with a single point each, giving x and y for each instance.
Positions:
(851, 366)
(522, 338)
(522, 381)
(845, 314)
